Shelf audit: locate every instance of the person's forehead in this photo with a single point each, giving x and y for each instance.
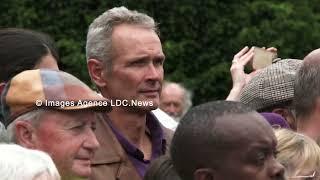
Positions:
(172, 100)
(171, 96)
(131, 32)
(135, 41)
(172, 89)
(246, 128)
(47, 62)
(65, 117)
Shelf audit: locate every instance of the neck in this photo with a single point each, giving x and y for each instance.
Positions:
(131, 124)
(309, 125)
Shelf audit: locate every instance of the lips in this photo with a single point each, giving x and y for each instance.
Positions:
(84, 161)
(151, 92)
(85, 157)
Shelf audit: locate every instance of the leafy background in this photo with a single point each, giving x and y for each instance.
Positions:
(199, 37)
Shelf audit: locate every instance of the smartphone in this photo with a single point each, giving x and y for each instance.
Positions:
(262, 58)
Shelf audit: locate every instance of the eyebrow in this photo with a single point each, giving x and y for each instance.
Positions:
(73, 122)
(262, 147)
(143, 56)
(76, 118)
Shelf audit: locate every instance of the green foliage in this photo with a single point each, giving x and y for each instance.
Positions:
(199, 38)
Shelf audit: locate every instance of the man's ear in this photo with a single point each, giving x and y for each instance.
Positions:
(96, 72)
(317, 104)
(203, 174)
(2, 85)
(25, 134)
(288, 116)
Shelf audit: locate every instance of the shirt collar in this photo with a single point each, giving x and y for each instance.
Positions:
(155, 132)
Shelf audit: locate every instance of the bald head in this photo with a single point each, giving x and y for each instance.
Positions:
(313, 56)
(172, 89)
(172, 86)
(307, 82)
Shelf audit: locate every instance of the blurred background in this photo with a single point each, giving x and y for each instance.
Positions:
(199, 37)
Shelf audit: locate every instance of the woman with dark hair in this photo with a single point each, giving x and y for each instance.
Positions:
(22, 49)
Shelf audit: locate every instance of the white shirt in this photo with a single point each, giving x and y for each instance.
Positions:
(165, 119)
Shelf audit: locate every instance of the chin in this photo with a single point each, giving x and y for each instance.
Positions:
(145, 109)
(153, 106)
(150, 108)
(82, 172)
(148, 103)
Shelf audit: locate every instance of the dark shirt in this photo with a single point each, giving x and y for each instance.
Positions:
(154, 131)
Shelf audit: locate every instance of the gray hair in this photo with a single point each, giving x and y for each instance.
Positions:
(307, 85)
(187, 95)
(32, 116)
(187, 100)
(3, 133)
(17, 162)
(99, 44)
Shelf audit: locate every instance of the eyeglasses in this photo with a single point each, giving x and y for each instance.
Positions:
(313, 176)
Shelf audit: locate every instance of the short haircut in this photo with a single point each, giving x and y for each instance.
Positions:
(307, 86)
(187, 95)
(297, 152)
(17, 162)
(22, 49)
(99, 44)
(32, 116)
(3, 133)
(161, 169)
(197, 137)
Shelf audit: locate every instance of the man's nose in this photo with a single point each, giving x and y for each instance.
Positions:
(91, 141)
(154, 72)
(172, 108)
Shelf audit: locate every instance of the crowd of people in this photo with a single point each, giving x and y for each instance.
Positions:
(53, 126)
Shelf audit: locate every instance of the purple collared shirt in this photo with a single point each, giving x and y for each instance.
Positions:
(134, 154)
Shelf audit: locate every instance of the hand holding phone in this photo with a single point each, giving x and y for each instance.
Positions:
(262, 58)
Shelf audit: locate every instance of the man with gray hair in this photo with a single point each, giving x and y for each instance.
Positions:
(125, 61)
(307, 96)
(54, 112)
(175, 100)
